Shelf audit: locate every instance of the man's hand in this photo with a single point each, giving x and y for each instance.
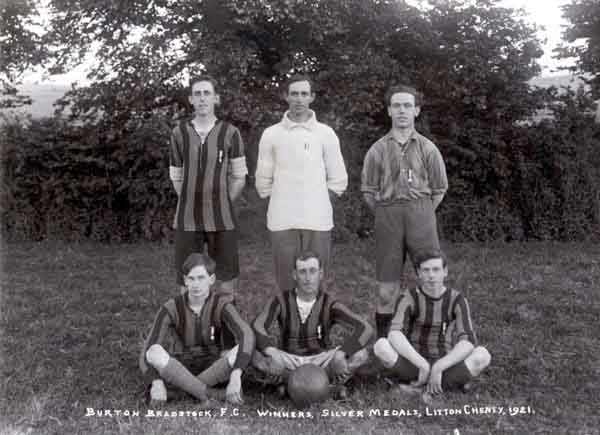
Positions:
(434, 385)
(339, 366)
(369, 199)
(233, 393)
(424, 370)
(158, 391)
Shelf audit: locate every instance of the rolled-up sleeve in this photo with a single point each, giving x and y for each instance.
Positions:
(262, 324)
(371, 172)
(436, 171)
(402, 319)
(464, 325)
(244, 336)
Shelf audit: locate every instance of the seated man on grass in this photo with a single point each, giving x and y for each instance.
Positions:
(187, 338)
(305, 315)
(431, 343)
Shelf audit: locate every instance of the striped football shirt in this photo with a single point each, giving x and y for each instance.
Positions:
(204, 203)
(311, 336)
(434, 325)
(181, 331)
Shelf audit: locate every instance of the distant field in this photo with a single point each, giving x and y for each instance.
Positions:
(43, 96)
(73, 317)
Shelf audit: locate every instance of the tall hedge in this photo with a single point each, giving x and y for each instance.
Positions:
(537, 181)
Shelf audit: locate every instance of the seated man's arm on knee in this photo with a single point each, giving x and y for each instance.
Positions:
(465, 339)
(244, 336)
(360, 332)
(263, 322)
(404, 348)
(457, 354)
(160, 332)
(403, 321)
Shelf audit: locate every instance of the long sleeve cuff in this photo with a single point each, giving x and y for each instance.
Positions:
(176, 174)
(238, 167)
(338, 186)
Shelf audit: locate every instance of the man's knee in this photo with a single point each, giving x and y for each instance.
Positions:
(479, 359)
(384, 351)
(267, 364)
(157, 356)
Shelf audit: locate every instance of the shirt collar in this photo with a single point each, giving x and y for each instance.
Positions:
(412, 138)
(310, 124)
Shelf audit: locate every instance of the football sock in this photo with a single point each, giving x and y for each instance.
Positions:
(176, 374)
(404, 370)
(383, 322)
(217, 373)
(456, 376)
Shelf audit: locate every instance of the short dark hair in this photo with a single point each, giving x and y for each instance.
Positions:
(306, 255)
(423, 256)
(407, 89)
(298, 78)
(198, 259)
(203, 78)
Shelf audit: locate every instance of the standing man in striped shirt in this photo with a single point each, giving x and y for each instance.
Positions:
(186, 346)
(403, 182)
(432, 343)
(208, 171)
(301, 168)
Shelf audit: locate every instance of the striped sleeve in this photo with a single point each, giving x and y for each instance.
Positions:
(175, 151)
(403, 317)
(263, 322)
(436, 171)
(236, 144)
(160, 333)
(360, 332)
(244, 336)
(462, 317)
(370, 175)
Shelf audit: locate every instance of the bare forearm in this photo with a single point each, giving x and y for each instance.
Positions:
(401, 345)
(236, 187)
(459, 353)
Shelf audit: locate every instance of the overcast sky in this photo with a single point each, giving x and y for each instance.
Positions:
(545, 13)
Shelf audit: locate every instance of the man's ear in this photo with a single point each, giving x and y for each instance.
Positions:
(217, 100)
(417, 110)
(212, 278)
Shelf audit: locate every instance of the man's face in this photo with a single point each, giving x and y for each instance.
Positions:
(203, 98)
(198, 282)
(403, 110)
(299, 97)
(432, 274)
(308, 276)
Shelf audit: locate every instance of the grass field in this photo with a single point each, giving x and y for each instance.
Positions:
(73, 316)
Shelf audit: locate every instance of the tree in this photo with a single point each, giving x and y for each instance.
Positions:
(584, 26)
(471, 58)
(21, 48)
